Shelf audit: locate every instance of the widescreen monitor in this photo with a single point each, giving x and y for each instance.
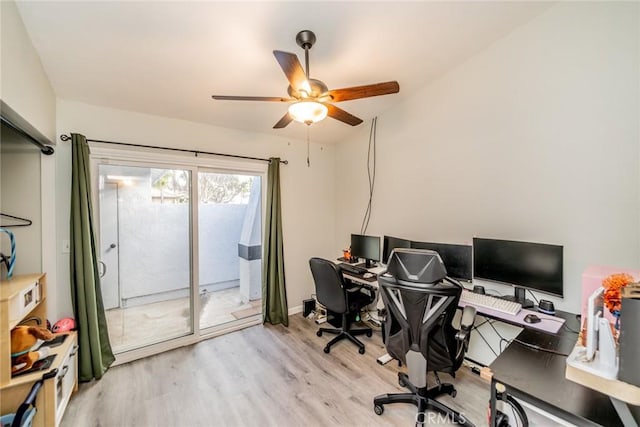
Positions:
(367, 247)
(457, 259)
(390, 243)
(524, 265)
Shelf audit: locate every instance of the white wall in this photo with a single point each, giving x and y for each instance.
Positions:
(25, 87)
(20, 196)
(307, 193)
(536, 138)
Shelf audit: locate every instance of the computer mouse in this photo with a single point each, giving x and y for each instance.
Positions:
(367, 275)
(531, 318)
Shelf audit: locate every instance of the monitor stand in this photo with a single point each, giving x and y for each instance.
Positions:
(519, 296)
(368, 264)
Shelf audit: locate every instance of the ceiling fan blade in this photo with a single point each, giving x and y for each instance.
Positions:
(366, 91)
(293, 70)
(284, 121)
(343, 116)
(252, 98)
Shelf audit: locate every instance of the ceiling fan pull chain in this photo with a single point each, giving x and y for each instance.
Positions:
(308, 161)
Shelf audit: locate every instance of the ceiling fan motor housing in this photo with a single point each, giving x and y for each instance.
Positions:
(318, 89)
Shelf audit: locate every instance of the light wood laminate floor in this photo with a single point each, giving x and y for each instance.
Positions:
(262, 376)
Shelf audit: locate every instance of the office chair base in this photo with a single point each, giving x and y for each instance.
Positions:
(423, 399)
(342, 334)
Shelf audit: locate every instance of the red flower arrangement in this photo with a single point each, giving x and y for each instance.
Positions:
(613, 288)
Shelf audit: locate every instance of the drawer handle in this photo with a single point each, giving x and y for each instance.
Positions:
(74, 351)
(65, 369)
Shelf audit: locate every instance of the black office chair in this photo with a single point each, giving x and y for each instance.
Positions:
(337, 296)
(421, 303)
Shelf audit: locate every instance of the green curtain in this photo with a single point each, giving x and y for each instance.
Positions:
(94, 354)
(274, 296)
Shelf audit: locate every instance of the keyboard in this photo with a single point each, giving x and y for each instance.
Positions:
(493, 303)
(359, 271)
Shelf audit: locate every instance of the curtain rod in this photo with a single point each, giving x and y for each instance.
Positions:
(64, 137)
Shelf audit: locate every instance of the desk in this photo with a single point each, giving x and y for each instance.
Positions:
(548, 323)
(621, 394)
(358, 278)
(377, 302)
(538, 377)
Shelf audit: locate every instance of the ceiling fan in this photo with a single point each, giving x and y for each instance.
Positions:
(311, 99)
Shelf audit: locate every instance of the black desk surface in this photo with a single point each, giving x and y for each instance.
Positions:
(541, 377)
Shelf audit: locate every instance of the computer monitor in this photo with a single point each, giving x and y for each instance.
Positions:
(390, 243)
(457, 259)
(523, 265)
(367, 247)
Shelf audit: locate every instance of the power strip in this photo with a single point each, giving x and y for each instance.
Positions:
(384, 359)
(321, 320)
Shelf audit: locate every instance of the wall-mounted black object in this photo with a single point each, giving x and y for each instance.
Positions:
(18, 124)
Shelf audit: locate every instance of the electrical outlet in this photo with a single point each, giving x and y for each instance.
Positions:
(66, 246)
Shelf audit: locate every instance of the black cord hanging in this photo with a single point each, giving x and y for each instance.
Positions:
(308, 161)
(371, 173)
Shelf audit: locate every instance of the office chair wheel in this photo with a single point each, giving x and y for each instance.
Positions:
(369, 333)
(454, 393)
(401, 381)
(327, 349)
(361, 350)
(319, 333)
(378, 409)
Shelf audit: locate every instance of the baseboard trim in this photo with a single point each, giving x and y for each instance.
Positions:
(295, 310)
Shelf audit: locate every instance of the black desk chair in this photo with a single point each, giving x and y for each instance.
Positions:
(421, 303)
(333, 292)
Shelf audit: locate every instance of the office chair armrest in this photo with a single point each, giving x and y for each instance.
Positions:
(466, 322)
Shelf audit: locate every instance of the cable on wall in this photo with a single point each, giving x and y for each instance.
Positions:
(371, 173)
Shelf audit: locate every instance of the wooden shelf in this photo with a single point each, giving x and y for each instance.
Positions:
(617, 389)
(11, 313)
(10, 291)
(23, 297)
(58, 351)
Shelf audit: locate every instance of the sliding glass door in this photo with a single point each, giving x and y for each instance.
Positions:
(230, 253)
(179, 246)
(145, 250)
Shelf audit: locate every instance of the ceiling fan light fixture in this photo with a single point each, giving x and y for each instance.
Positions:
(308, 112)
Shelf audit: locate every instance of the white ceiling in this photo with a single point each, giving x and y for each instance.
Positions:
(168, 58)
